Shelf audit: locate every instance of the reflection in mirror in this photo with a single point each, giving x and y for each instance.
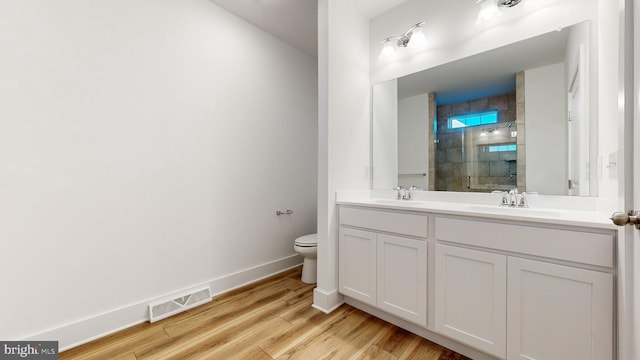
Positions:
(516, 116)
(477, 147)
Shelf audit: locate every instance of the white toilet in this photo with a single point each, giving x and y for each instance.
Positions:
(307, 247)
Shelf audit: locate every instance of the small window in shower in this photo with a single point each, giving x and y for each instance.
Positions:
(473, 119)
(502, 148)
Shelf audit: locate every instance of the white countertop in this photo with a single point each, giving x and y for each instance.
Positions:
(480, 206)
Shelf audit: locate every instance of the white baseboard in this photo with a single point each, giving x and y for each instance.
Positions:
(327, 301)
(80, 332)
(241, 278)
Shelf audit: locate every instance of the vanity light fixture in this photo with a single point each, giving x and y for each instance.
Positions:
(488, 10)
(491, 8)
(413, 38)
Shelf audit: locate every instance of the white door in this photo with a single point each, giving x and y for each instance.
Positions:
(635, 352)
(629, 186)
(402, 277)
(470, 298)
(632, 166)
(357, 264)
(558, 312)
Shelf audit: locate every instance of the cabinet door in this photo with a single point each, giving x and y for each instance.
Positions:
(470, 298)
(357, 265)
(558, 312)
(402, 277)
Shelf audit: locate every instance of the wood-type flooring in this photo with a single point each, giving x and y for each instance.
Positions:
(267, 320)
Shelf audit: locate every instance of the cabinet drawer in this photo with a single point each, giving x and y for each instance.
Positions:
(569, 245)
(399, 223)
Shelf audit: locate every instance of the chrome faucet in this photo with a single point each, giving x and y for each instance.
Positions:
(408, 195)
(523, 198)
(513, 198)
(401, 192)
(504, 199)
(405, 194)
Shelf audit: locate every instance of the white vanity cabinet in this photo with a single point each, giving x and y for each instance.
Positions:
(558, 312)
(383, 261)
(358, 258)
(471, 296)
(402, 277)
(525, 292)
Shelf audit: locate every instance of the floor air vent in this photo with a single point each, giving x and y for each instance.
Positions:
(186, 301)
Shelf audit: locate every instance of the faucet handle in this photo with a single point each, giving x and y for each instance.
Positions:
(400, 191)
(504, 199)
(408, 195)
(523, 198)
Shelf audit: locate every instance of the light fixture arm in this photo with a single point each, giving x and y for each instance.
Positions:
(408, 32)
(403, 40)
(508, 3)
(388, 50)
(502, 3)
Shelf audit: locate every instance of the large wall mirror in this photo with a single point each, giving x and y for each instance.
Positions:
(514, 117)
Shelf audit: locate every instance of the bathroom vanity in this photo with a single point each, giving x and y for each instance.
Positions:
(512, 283)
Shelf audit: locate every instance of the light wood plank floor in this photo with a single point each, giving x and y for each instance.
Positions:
(270, 319)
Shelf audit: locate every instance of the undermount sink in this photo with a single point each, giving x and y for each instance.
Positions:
(516, 210)
(397, 202)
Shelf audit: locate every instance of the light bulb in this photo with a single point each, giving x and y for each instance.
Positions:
(388, 51)
(488, 10)
(418, 40)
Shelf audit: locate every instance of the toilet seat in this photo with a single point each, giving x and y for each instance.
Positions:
(310, 240)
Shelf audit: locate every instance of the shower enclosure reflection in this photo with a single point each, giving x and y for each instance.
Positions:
(476, 148)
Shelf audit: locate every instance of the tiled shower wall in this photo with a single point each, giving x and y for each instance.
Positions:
(463, 160)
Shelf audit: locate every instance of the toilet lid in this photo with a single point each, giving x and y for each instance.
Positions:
(307, 240)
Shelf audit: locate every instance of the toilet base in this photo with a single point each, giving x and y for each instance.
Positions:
(309, 271)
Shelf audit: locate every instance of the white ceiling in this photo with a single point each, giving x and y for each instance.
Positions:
(294, 21)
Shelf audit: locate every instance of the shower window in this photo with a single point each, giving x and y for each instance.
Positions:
(473, 119)
(501, 148)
